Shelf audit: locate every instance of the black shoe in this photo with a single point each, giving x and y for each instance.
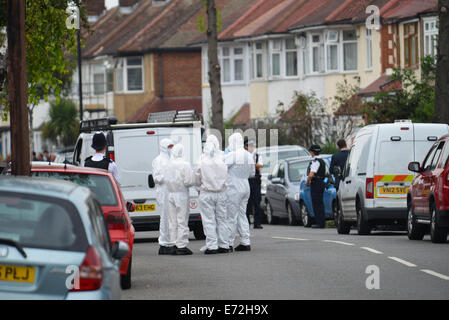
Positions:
(258, 227)
(223, 250)
(183, 252)
(163, 250)
(211, 251)
(241, 247)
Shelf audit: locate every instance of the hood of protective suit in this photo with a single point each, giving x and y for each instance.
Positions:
(177, 151)
(235, 142)
(209, 149)
(163, 145)
(214, 140)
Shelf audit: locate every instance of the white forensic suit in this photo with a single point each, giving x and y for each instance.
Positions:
(241, 166)
(214, 140)
(159, 172)
(211, 175)
(180, 177)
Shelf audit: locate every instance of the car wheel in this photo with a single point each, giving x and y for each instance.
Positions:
(305, 216)
(343, 227)
(125, 279)
(291, 216)
(363, 227)
(198, 232)
(414, 230)
(270, 218)
(437, 235)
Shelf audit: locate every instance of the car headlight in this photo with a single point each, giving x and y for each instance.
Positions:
(296, 196)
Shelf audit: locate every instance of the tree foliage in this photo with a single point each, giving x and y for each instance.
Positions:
(63, 127)
(414, 100)
(49, 45)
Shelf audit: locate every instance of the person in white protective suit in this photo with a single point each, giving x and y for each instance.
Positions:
(211, 175)
(241, 166)
(179, 178)
(159, 165)
(214, 140)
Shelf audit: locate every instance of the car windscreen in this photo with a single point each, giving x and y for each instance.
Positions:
(41, 222)
(100, 185)
(296, 170)
(272, 158)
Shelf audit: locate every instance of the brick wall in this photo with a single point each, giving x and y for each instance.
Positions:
(181, 74)
(390, 47)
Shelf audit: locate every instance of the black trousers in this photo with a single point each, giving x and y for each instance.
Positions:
(254, 201)
(317, 191)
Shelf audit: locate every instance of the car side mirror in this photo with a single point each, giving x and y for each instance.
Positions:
(414, 167)
(151, 183)
(130, 206)
(120, 250)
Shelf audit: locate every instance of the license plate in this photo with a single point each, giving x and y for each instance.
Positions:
(145, 207)
(393, 190)
(16, 273)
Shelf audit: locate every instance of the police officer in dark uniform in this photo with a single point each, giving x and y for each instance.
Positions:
(255, 187)
(99, 159)
(315, 179)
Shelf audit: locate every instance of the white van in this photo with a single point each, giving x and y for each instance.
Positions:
(133, 147)
(375, 180)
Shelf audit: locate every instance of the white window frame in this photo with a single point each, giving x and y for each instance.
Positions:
(232, 57)
(276, 51)
(430, 26)
(97, 72)
(320, 47)
(123, 67)
(369, 49)
(343, 42)
(332, 40)
(291, 50)
(259, 52)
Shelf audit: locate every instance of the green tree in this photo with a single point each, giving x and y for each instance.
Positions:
(414, 99)
(49, 45)
(63, 127)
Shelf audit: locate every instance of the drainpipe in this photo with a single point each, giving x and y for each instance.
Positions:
(161, 78)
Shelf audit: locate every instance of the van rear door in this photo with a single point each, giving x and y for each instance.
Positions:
(426, 134)
(394, 151)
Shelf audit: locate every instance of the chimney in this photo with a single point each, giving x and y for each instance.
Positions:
(95, 7)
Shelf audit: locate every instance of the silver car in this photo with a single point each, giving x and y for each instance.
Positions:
(54, 243)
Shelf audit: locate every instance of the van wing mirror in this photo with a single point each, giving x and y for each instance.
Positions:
(414, 167)
(151, 183)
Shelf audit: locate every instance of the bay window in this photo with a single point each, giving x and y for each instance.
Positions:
(369, 49)
(411, 45)
(291, 58)
(350, 50)
(129, 75)
(276, 47)
(430, 37)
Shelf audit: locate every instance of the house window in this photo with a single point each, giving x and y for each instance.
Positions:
(369, 49)
(259, 61)
(332, 50)
(276, 47)
(430, 38)
(411, 45)
(232, 64)
(350, 50)
(129, 75)
(226, 64)
(317, 54)
(291, 58)
(99, 82)
(238, 64)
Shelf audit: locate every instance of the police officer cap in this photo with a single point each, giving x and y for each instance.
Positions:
(315, 149)
(99, 141)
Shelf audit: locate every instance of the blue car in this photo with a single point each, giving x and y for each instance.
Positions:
(329, 197)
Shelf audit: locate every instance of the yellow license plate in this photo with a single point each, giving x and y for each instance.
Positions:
(393, 190)
(145, 207)
(16, 273)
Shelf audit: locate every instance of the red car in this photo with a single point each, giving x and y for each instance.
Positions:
(428, 196)
(115, 209)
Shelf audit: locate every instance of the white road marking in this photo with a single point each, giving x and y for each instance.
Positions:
(339, 242)
(436, 274)
(371, 250)
(408, 264)
(285, 238)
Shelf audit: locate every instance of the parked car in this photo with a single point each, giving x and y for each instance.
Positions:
(133, 147)
(286, 192)
(428, 196)
(103, 184)
(270, 156)
(329, 198)
(51, 231)
(375, 181)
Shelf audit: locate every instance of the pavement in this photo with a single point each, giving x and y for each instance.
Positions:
(293, 262)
